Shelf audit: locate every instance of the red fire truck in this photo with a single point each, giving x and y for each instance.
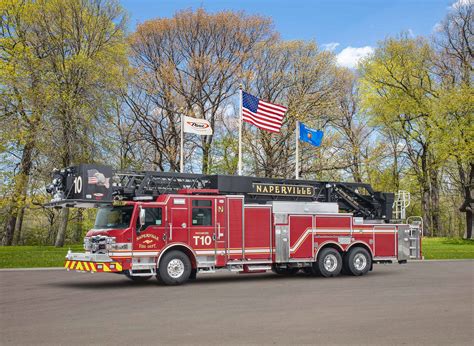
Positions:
(174, 226)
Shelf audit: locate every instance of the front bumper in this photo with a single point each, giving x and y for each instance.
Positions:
(84, 262)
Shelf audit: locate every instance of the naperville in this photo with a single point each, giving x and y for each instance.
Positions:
(295, 190)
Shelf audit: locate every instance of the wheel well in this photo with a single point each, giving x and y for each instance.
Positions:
(362, 245)
(188, 252)
(331, 245)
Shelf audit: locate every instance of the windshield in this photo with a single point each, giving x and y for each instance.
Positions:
(113, 217)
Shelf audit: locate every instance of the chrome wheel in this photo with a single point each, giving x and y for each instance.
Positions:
(330, 263)
(175, 268)
(360, 261)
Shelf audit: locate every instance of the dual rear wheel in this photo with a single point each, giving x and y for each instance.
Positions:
(330, 262)
(357, 262)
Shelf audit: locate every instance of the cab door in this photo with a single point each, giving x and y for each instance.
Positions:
(203, 227)
(151, 236)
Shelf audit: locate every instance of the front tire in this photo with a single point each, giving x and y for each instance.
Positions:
(175, 268)
(329, 263)
(358, 261)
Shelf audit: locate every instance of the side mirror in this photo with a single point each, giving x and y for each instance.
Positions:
(142, 216)
(141, 219)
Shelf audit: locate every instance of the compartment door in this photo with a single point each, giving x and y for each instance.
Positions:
(235, 227)
(257, 236)
(386, 237)
(301, 236)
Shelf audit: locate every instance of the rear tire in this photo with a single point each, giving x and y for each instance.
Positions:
(175, 268)
(329, 263)
(358, 261)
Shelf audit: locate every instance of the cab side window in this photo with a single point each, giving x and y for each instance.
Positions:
(202, 213)
(153, 217)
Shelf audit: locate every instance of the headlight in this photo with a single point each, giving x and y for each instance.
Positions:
(122, 246)
(98, 243)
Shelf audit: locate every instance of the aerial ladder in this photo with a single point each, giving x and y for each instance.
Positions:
(70, 189)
